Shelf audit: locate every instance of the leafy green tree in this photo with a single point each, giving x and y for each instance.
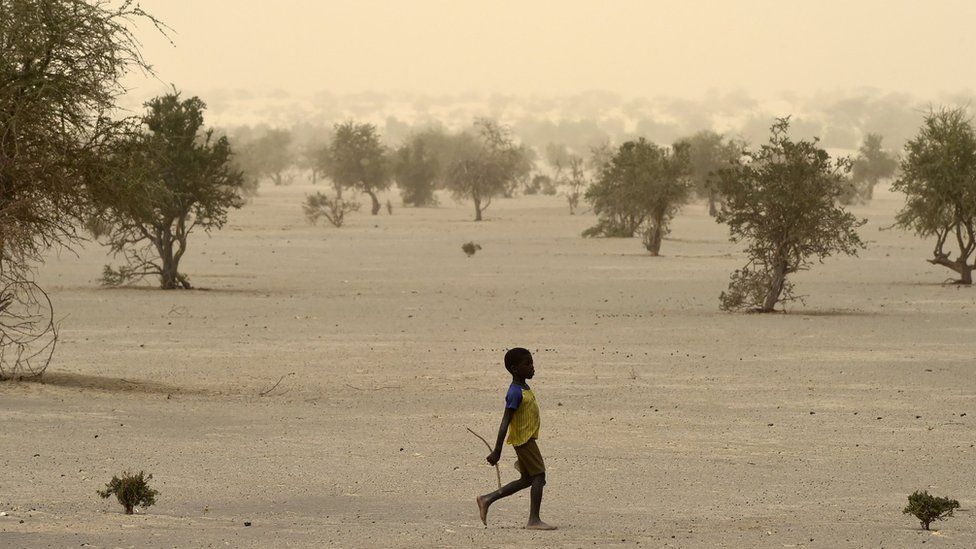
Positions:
(938, 177)
(177, 178)
(131, 491)
(485, 164)
(709, 152)
(62, 63)
(782, 200)
(928, 508)
(415, 169)
(642, 187)
(872, 165)
(357, 159)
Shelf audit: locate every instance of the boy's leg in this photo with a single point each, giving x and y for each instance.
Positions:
(535, 523)
(486, 500)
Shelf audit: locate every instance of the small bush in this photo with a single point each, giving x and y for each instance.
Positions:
(130, 490)
(334, 209)
(470, 248)
(928, 508)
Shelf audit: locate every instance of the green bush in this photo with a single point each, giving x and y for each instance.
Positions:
(130, 490)
(470, 248)
(927, 508)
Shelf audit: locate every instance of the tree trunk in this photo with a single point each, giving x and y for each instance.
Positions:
(129, 510)
(960, 266)
(776, 283)
(712, 208)
(652, 238)
(477, 208)
(966, 272)
(338, 190)
(376, 202)
(169, 276)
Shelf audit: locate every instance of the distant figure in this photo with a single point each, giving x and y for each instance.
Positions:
(389, 207)
(521, 422)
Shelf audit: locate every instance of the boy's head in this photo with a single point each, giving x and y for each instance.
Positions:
(518, 362)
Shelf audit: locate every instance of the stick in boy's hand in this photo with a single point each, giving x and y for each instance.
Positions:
(498, 471)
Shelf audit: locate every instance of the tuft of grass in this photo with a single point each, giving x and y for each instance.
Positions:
(928, 508)
(131, 491)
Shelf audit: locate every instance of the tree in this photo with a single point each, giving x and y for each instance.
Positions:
(524, 167)
(873, 163)
(271, 155)
(485, 164)
(61, 68)
(708, 153)
(782, 199)
(938, 177)
(576, 182)
(415, 169)
(177, 178)
(558, 157)
(928, 508)
(641, 187)
(357, 159)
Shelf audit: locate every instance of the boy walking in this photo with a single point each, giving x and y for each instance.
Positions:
(521, 422)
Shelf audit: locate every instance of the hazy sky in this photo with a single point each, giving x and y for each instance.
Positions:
(562, 47)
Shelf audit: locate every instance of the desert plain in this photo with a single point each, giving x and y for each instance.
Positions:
(665, 422)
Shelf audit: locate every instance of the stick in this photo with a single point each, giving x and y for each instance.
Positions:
(263, 393)
(498, 471)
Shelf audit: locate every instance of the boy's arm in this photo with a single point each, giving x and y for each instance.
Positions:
(496, 454)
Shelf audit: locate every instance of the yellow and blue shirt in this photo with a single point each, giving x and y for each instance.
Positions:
(525, 422)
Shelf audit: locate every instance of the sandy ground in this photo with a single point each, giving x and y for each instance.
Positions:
(666, 423)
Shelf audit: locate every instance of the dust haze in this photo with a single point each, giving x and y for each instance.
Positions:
(274, 255)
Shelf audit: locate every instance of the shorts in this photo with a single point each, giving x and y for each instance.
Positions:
(529, 461)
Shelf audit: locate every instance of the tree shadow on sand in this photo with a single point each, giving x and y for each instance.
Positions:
(108, 384)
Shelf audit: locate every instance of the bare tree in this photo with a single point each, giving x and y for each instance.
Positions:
(61, 66)
(334, 210)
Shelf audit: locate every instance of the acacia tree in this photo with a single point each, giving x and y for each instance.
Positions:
(415, 169)
(641, 187)
(939, 181)
(709, 152)
(177, 178)
(484, 165)
(575, 182)
(357, 159)
(61, 67)
(873, 164)
(270, 156)
(522, 173)
(782, 199)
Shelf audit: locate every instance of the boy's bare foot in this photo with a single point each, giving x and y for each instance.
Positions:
(483, 508)
(539, 525)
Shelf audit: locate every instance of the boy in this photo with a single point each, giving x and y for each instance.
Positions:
(521, 422)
